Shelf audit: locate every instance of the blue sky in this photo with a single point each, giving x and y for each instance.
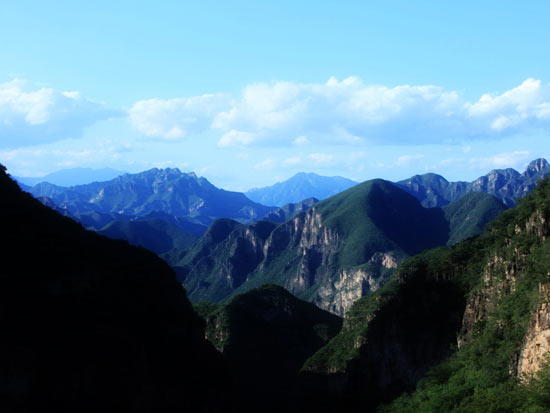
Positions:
(247, 93)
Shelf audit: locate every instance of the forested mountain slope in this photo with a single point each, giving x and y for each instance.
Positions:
(491, 292)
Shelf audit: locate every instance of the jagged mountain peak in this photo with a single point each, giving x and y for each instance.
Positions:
(508, 185)
(536, 166)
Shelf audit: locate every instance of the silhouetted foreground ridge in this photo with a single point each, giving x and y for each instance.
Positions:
(91, 324)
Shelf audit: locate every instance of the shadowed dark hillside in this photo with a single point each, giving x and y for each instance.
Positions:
(266, 335)
(91, 324)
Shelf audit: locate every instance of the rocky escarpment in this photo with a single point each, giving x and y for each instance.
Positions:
(314, 266)
(314, 246)
(502, 271)
(535, 351)
(348, 285)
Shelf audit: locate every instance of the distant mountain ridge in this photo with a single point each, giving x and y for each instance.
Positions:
(289, 211)
(508, 185)
(299, 187)
(73, 176)
(157, 190)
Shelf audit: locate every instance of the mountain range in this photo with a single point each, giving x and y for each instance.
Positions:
(333, 253)
(158, 190)
(93, 324)
(167, 211)
(508, 185)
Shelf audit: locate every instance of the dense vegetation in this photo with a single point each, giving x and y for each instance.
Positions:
(407, 330)
(469, 215)
(478, 378)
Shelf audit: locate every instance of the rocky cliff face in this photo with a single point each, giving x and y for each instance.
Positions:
(316, 253)
(340, 291)
(501, 273)
(312, 268)
(315, 248)
(535, 350)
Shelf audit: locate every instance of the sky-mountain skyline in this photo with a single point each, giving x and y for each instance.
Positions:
(248, 94)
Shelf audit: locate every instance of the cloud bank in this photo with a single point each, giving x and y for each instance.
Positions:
(345, 112)
(30, 117)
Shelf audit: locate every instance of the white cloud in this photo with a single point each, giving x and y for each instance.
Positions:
(300, 141)
(346, 112)
(35, 116)
(405, 160)
(321, 158)
(37, 161)
(235, 137)
(515, 159)
(173, 119)
(528, 103)
(295, 160)
(267, 163)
